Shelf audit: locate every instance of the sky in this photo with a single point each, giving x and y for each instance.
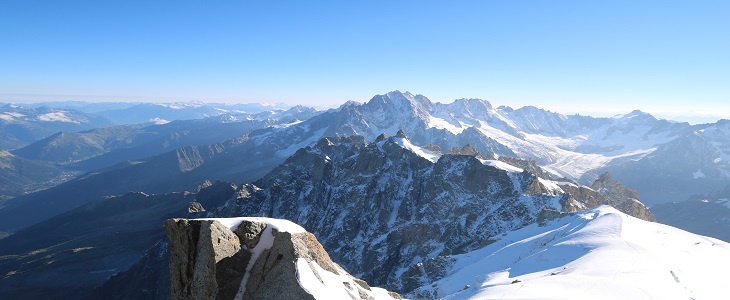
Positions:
(668, 58)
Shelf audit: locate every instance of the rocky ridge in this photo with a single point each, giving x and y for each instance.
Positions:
(577, 147)
(391, 212)
(256, 258)
(132, 162)
(384, 206)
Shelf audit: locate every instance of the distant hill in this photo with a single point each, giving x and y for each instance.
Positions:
(103, 147)
(165, 112)
(19, 176)
(21, 125)
(174, 170)
(702, 214)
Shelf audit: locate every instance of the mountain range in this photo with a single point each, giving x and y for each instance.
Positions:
(102, 147)
(381, 208)
(398, 190)
(132, 158)
(702, 214)
(370, 189)
(21, 125)
(576, 147)
(140, 112)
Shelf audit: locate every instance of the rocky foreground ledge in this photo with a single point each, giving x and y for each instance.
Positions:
(256, 258)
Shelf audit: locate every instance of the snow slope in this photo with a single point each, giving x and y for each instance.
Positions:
(599, 253)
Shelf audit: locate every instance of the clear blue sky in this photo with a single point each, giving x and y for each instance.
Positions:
(665, 57)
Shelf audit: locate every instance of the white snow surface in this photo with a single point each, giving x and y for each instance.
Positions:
(291, 149)
(552, 186)
(11, 116)
(59, 116)
(599, 253)
(441, 123)
(159, 121)
(323, 284)
(561, 154)
(7, 117)
(501, 165)
(183, 105)
(420, 151)
(569, 151)
(280, 225)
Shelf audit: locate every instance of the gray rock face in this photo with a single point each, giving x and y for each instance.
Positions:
(197, 253)
(608, 191)
(209, 261)
(622, 198)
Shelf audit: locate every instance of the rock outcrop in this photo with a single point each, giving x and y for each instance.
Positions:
(622, 198)
(256, 258)
(607, 191)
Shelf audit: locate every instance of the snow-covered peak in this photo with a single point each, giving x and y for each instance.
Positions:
(599, 253)
(399, 103)
(637, 115)
(184, 104)
(473, 105)
(280, 225)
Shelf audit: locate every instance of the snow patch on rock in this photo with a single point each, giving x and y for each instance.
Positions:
(420, 151)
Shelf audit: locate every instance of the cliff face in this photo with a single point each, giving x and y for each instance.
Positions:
(607, 191)
(255, 258)
(622, 198)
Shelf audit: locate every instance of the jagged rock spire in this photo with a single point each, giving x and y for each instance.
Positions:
(401, 134)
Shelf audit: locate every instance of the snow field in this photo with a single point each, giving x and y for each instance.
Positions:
(596, 254)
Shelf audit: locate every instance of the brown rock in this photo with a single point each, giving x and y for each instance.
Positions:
(250, 233)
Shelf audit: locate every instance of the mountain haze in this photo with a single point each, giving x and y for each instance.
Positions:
(21, 125)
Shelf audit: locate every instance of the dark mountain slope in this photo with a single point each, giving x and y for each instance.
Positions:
(20, 125)
(68, 255)
(19, 175)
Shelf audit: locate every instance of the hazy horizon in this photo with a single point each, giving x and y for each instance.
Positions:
(665, 58)
(692, 117)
